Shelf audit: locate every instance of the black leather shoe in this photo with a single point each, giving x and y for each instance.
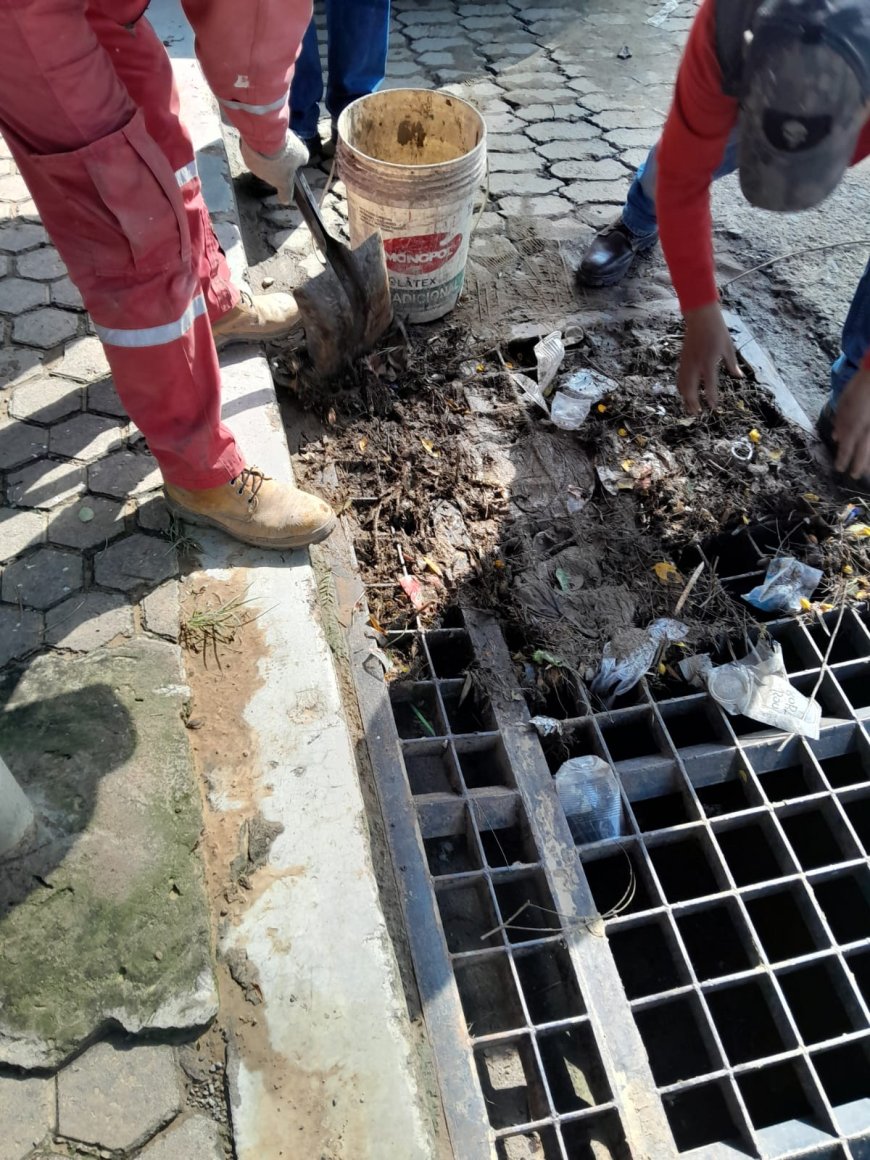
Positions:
(825, 431)
(611, 253)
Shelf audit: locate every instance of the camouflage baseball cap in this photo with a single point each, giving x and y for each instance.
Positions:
(806, 87)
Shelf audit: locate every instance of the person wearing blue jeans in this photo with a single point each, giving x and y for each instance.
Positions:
(613, 250)
(357, 32)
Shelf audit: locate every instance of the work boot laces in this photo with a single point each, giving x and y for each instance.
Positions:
(249, 479)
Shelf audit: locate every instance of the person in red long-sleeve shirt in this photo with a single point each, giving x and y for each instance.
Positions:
(780, 91)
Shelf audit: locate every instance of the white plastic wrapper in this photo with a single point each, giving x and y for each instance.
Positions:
(758, 688)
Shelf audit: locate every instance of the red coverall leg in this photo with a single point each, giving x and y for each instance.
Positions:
(247, 50)
(113, 184)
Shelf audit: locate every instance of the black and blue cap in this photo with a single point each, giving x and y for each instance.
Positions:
(804, 101)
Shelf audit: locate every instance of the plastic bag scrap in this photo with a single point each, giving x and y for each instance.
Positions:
(573, 401)
(546, 726)
(757, 687)
(617, 674)
(589, 792)
(787, 582)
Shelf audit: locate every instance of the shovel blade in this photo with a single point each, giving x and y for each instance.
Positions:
(347, 308)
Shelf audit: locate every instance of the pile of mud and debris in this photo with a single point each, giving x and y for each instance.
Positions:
(459, 487)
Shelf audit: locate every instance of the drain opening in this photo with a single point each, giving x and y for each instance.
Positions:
(749, 1020)
(685, 868)
(716, 940)
(845, 1077)
(817, 996)
(702, 1115)
(674, 1040)
(781, 925)
(644, 958)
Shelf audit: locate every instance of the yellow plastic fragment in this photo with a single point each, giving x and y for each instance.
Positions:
(622, 433)
(601, 408)
(754, 435)
(805, 604)
(429, 448)
(810, 497)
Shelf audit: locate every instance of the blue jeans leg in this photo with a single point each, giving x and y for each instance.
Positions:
(357, 54)
(307, 90)
(639, 212)
(855, 340)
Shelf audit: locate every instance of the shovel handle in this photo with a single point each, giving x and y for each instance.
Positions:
(310, 212)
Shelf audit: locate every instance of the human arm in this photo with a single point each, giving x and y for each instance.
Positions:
(696, 134)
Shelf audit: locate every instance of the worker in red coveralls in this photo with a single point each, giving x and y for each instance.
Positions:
(89, 110)
(779, 91)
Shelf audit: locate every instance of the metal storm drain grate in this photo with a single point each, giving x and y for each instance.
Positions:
(698, 986)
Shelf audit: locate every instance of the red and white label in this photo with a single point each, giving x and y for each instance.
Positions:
(422, 254)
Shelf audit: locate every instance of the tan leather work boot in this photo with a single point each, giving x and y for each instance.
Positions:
(258, 318)
(256, 509)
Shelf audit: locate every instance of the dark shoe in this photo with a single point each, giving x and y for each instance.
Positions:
(825, 432)
(611, 253)
(320, 152)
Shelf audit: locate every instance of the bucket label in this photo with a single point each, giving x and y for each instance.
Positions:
(417, 302)
(422, 254)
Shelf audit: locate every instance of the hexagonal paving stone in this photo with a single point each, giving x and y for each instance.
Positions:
(46, 484)
(19, 530)
(44, 265)
(20, 442)
(135, 561)
(16, 363)
(20, 632)
(124, 473)
(87, 522)
(45, 399)
(26, 1113)
(45, 328)
(153, 513)
(116, 1098)
(103, 398)
(18, 295)
(64, 292)
(86, 437)
(88, 620)
(42, 578)
(15, 237)
(84, 360)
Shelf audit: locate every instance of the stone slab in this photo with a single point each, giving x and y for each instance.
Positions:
(118, 1097)
(105, 919)
(196, 1138)
(27, 1114)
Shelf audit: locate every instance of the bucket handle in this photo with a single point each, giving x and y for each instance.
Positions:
(484, 203)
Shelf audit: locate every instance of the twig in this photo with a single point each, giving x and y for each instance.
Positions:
(503, 925)
(794, 254)
(693, 580)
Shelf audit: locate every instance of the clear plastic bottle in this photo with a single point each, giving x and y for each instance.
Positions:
(588, 789)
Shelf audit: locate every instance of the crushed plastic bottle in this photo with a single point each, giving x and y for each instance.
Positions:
(588, 789)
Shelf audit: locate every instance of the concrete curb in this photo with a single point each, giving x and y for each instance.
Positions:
(330, 1070)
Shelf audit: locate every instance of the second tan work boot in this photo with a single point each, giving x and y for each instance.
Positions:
(258, 318)
(257, 510)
